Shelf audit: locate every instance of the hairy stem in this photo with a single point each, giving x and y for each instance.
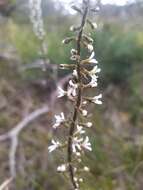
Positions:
(78, 100)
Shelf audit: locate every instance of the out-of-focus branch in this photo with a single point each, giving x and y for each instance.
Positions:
(5, 184)
(13, 135)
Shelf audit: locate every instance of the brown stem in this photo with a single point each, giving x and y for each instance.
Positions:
(78, 100)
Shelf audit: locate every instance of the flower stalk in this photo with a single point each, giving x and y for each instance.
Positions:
(78, 101)
(84, 76)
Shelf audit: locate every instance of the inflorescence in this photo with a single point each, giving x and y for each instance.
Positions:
(84, 76)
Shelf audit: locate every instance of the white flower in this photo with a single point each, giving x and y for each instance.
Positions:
(84, 103)
(93, 82)
(76, 145)
(86, 144)
(94, 25)
(80, 130)
(74, 85)
(61, 168)
(84, 112)
(55, 145)
(75, 169)
(73, 54)
(90, 47)
(80, 179)
(73, 58)
(92, 55)
(72, 28)
(88, 124)
(94, 70)
(96, 99)
(75, 73)
(61, 92)
(86, 169)
(72, 89)
(77, 185)
(59, 119)
(73, 51)
(92, 59)
(63, 41)
(78, 154)
(97, 8)
(75, 179)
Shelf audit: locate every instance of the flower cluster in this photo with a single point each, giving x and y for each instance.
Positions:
(84, 76)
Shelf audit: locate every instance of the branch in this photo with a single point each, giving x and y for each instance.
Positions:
(13, 135)
(5, 184)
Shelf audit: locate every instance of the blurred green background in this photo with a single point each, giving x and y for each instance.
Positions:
(117, 136)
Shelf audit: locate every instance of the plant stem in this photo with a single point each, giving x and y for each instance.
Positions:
(78, 100)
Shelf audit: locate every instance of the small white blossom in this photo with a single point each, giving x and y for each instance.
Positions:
(80, 179)
(94, 70)
(72, 89)
(75, 179)
(73, 57)
(84, 102)
(84, 112)
(96, 99)
(76, 145)
(75, 169)
(90, 47)
(86, 169)
(93, 83)
(74, 85)
(72, 28)
(59, 120)
(75, 73)
(88, 124)
(92, 59)
(78, 154)
(86, 144)
(73, 51)
(61, 92)
(97, 8)
(61, 168)
(73, 54)
(63, 41)
(71, 92)
(94, 25)
(55, 145)
(80, 130)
